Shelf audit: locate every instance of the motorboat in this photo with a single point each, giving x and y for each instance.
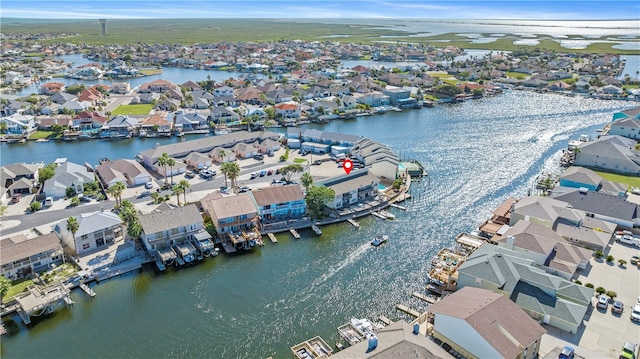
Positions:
(379, 239)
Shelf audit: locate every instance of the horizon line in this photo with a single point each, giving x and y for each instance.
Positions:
(311, 18)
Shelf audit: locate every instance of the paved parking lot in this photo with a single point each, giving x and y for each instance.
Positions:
(603, 332)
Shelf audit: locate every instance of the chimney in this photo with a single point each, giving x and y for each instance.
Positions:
(510, 241)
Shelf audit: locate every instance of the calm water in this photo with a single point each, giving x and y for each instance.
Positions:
(261, 303)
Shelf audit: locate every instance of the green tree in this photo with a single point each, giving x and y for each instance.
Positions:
(233, 172)
(5, 285)
(134, 230)
(73, 226)
(163, 161)
(71, 192)
(75, 201)
(290, 170)
(224, 168)
(171, 162)
(317, 197)
(307, 180)
(397, 183)
(128, 212)
(177, 191)
(46, 173)
(35, 206)
(116, 190)
(3, 127)
(184, 184)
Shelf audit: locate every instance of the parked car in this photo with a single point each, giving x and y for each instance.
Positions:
(254, 175)
(617, 307)
(635, 260)
(148, 185)
(263, 173)
(258, 157)
(16, 197)
(270, 153)
(189, 174)
(629, 350)
(85, 199)
(48, 202)
(603, 301)
(144, 194)
(224, 189)
(244, 189)
(567, 353)
(269, 172)
(278, 183)
(627, 239)
(635, 313)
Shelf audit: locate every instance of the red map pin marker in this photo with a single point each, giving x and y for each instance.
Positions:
(347, 165)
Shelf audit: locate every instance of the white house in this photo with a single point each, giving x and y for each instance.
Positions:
(67, 174)
(95, 231)
(358, 186)
(19, 124)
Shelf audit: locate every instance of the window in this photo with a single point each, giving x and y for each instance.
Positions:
(86, 246)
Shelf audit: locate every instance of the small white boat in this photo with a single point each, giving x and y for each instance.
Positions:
(379, 239)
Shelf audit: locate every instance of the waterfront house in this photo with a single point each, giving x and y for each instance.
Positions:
(20, 177)
(50, 88)
(165, 228)
(121, 88)
(96, 231)
(612, 153)
(358, 186)
(580, 177)
(603, 206)
(223, 115)
(373, 99)
(232, 214)
(119, 126)
(46, 123)
(288, 110)
(626, 124)
(156, 125)
(126, 171)
(278, 203)
(68, 175)
(19, 124)
(197, 160)
(159, 86)
(492, 326)
(396, 94)
(244, 150)
(397, 340)
(630, 113)
(544, 296)
(221, 155)
(189, 121)
(86, 120)
(22, 256)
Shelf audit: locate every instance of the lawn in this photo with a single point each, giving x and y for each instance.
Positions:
(300, 160)
(17, 287)
(139, 109)
(150, 72)
(40, 135)
(631, 180)
(516, 75)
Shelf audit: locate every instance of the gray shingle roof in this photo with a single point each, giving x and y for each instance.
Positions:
(165, 220)
(600, 203)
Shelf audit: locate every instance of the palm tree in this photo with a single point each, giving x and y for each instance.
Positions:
(177, 190)
(134, 230)
(184, 184)
(225, 171)
(233, 172)
(171, 162)
(164, 161)
(116, 190)
(221, 153)
(73, 226)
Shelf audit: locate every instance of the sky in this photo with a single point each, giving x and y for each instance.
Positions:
(332, 9)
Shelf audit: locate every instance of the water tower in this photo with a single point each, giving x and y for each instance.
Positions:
(103, 22)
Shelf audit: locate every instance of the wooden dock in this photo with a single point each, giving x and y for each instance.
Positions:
(379, 215)
(384, 320)
(411, 312)
(398, 206)
(85, 288)
(426, 298)
(294, 233)
(353, 223)
(272, 237)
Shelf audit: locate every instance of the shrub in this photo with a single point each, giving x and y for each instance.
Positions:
(600, 290)
(71, 191)
(611, 294)
(610, 258)
(622, 262)
(35, 206)
(589, 285)
(578, 282)
(598, 254)
(75, 201)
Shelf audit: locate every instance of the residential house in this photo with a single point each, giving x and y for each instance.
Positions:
(545, 297)
(87, 120)
(278, 203)
(197, 160)
(358, 186)
(20, 177)
(189, 121)
(62, 97)
(19, 124)
(603, 206)
(255, 111)
(269, 145)
(396, 94)
(373, 99)
(121, 88)
(626, 124)
(74, 106)
(223, 115)
(613, 153)
(397, 340)
(159, 86)
(95, 231)
(156, 125)
(630, 113)
(68, 175)
(381, 160)
(288, 110)
(50, 88)
(46, 123)
(232, 214)
(580, 177)
(244, 150)
(22, 256)
(221, 155)
(479, 323)
(162, 229)
(126, 171)
(119, 126)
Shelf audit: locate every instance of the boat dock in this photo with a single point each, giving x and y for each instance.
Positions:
(272, 237)
(316, 230)
(294, 233)
(85, 288)
(426, 298)
(405, 309)
(384, 320)
(353, 223)
(378, 215)
(398, 206)
(315, 347)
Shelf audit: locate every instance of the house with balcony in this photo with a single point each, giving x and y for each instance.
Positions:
(119, 126)
(189, 121)
(87, 120)
(22, 256)
(156, 125)
(19, 124)
(358, 186)
(612, 153)
(278, 203)
(232, 214)
(159, 86)
(288, 110)
(96, 231)
(169, 226)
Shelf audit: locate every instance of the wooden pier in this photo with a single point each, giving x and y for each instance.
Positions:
(398, 206)
(294, 233)
(272, 237)
(426, 298)
(384, 320)
(85, 288)
(378, 215)
(405, 309)
(353, 223)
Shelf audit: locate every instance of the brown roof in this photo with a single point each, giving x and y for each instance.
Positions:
(492, 316)
(17, 248)
(532, 237)
(231, 206)
(156, 120)
(278, 194)
(504, 209)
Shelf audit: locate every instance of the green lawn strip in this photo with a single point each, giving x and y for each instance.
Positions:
(40, 135)
(150, 72)
(631, 180)
(139, 109)
(300, 160)
(516, 75)
(17, 287)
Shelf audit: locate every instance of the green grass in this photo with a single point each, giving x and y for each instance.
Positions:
(516, 75)
(631, 180)
(300, 160)
(150, 72)
(140, 109)
(17, 287)
(40, 135)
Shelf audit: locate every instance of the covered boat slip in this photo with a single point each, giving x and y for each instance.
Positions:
(203, 243)
(315, 347)
(186, 252)
(40, 300)
(165, 257)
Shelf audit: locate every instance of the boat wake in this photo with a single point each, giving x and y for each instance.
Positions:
(351, 258)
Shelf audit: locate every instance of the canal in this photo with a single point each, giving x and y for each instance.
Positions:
(259, 304)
